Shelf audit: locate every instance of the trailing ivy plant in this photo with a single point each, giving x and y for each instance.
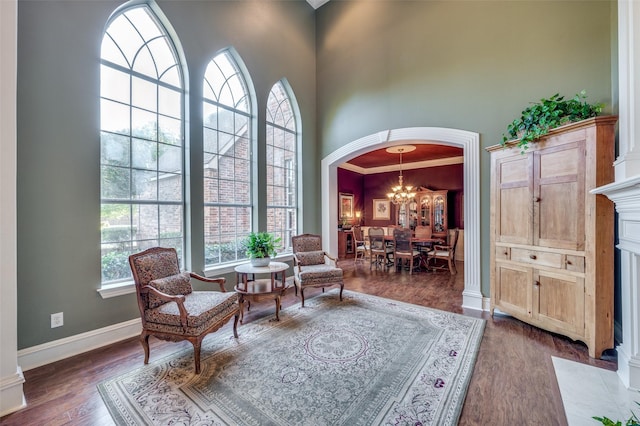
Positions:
(540, 117)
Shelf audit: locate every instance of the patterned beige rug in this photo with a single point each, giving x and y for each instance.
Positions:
(363, 361)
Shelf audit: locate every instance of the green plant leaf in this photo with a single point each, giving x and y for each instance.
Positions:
(536, 120)
(262, 244)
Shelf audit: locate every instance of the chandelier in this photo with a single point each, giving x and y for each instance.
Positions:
(401, 194)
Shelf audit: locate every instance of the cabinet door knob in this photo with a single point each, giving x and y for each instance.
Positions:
(568, 262)
(533, 256)
(506, 253)
(536, 199)
(536, 283)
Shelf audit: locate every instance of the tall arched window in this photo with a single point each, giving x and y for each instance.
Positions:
(227, 143)
(141, 140)
(282, 166)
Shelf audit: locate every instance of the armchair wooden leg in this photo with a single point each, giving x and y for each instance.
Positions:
(235, 325)
(302, 295)
(144, 340)
(196, 354)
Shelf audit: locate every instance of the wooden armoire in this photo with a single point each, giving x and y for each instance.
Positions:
(552, 241)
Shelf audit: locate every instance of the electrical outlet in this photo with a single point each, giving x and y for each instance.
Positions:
(57, 320)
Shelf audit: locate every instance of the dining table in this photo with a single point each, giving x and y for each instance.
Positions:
(420, 242)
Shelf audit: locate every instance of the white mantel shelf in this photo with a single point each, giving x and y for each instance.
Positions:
(625, 190)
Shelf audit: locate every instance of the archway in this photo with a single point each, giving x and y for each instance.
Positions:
(468, 141)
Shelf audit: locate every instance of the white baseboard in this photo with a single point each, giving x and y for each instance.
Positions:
(37, 356)
(11, 394)
(472, 300)
(486, 303)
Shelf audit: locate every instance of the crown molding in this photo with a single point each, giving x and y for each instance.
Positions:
(405, 166)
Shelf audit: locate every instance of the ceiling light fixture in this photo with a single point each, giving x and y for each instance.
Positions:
(401, 194)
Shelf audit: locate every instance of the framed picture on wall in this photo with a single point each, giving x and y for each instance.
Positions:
(346, 205)
(381, 209)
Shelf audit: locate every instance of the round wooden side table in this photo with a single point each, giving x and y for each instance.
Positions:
(249, 287)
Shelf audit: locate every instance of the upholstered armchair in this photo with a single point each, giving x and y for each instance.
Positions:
(314, 267)
(170, 309)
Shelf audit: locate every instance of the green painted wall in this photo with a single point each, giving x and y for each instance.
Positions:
(59, 149)
(471, 65)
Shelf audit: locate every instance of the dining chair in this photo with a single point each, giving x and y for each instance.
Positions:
(379, 251)
(362, 245)
(403, 249)
(423, 231)
(444, 254)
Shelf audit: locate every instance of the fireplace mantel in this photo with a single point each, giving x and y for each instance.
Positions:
(626, 196)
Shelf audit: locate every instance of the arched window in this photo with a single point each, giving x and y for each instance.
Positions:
(282, 166)
(227, 144)
(141, 140)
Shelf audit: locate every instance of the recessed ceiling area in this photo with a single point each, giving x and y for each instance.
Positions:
(422, 153)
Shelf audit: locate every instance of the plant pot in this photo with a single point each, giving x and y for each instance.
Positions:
(260, 261)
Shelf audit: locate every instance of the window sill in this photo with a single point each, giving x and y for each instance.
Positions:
(119, 289)
(129, 287)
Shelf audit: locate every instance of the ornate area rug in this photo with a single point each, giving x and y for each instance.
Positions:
(363, 361)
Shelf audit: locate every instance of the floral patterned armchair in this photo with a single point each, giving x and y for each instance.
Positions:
(314, 267)
(170, 309)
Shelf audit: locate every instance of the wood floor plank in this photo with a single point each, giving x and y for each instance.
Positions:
(513, 381)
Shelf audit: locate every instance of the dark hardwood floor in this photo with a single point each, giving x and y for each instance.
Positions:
(513, 381)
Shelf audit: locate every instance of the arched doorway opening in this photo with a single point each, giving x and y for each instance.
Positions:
(470, 144)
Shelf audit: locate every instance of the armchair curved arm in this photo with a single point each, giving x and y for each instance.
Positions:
(179, 299)
(441, 247)
(220, 280)
(335, 259)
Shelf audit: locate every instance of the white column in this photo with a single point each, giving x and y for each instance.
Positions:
(628, 163)
(11, 379)
(625, 191)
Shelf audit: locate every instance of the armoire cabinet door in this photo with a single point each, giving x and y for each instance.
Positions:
(559, 195)
(558, 302)
(512, 291)
(514, 199)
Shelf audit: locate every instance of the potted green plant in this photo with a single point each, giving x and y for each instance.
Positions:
(540, 117)
(260, 247)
